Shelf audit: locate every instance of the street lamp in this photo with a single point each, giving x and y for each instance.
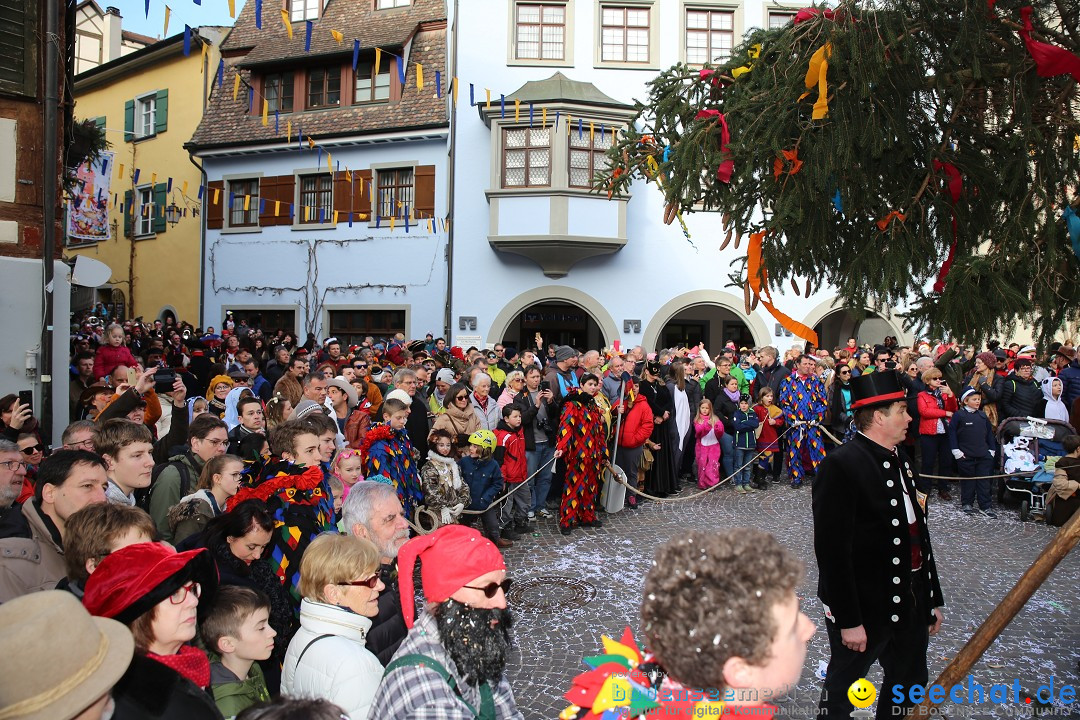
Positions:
(172, 214)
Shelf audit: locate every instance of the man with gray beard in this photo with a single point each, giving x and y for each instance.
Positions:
(452, 665)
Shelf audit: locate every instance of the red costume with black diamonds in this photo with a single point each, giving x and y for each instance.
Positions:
(583, 442)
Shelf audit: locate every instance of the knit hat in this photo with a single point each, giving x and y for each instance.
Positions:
(61, 659)
(564, 353)
(988, 358)
(399, 394)
(218, 380)
(132, 580)
(452, 557)
(510, 353)
(445, 375)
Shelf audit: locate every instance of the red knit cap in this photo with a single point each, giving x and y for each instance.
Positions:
(453, 556)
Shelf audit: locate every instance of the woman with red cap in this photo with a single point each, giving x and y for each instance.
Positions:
(155, 591)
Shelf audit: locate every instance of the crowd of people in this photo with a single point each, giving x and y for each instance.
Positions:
(241, 505)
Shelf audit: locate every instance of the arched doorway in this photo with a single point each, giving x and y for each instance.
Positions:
(558, 322)
(713, 325)
(837, 326)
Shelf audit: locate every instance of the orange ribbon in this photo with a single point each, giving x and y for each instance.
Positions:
(883, 223)
(758, 278)
(792, 156)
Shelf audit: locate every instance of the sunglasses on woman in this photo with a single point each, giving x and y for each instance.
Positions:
(32, 449)
(368, 583)
(491, 589)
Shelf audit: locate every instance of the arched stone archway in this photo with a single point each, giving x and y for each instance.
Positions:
(505, 321)
(734, 305)
(836, 324)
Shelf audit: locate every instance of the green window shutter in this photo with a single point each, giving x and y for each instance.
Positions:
(128, 198)
(161, 112)
(160, 201)
(129, 121)
(100, 122)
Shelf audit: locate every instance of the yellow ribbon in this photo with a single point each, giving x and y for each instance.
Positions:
(816, 74)
(752, 53)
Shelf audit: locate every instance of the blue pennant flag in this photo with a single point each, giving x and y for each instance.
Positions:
(220, 73)
(400, 70)
(258, 14)
(438, 83)
(187, 40)
(355, 54)
(307, 36)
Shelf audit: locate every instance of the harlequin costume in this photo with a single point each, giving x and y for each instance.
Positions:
(388, 452)
(803, 400)
(583, 443)
(302, 507)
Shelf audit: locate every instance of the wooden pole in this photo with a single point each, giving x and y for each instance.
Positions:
(1006, 610)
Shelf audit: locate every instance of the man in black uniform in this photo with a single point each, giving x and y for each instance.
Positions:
(877, 579)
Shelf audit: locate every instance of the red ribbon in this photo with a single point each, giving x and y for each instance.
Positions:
(724, 172)
(1050, 60)
(810, 13)
(955, 186)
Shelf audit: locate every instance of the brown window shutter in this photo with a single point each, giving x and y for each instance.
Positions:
(424, 189)
(363, 197)
(268, 194)
(346, 196)
(276, 188)
(215, 217)
(286, 193)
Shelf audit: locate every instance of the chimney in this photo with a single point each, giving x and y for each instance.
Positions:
(111, 34)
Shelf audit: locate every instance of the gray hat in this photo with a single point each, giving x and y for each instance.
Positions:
(445, 375)
(564, 352)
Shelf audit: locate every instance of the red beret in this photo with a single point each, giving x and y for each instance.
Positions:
(453, 556)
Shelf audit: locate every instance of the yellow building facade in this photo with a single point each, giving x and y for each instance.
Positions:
(150, 103)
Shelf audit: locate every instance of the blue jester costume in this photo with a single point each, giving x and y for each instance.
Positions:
(388, 452)
(803, 400)
(302, 507)
(583, 442)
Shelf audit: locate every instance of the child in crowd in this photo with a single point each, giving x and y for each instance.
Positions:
(1063, 499)
(771, 419)
(445, 493)
(708, 428)
(100, 529)
(219, 480)
(745, 421)
(337, 489)
(387, 451)
(510, 454)
(128, 450)
(347, 468)
(237, 635)
(971, 438)
(112, 353)
(484, 478)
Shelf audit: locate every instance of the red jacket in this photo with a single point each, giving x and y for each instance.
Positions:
(511, 454)
(637, 425)
(930, 413)
(108, 357)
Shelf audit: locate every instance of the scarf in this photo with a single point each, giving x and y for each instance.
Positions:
(190, 662)
(732, 395)
(482, 402)
(451, 465)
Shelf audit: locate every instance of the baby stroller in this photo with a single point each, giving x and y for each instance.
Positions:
(1025, 443)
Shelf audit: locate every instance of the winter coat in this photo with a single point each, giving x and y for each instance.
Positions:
(745, 421)
(417, 425)
(233, 695)
(637, 424)
(930, 413)
(1061, 501)
(991, 393)
(356, 427)
(1019, 397)
(1051, 407)
(972, 434)
(150, 690)
(338, 668)
(31, 552)
(460, 423)
(510, 454)
(768, 439)
(703, 428)
(388, 627)
(107, 358)
(441, 483)
(166, 490)
(1070, 378)
(192, 514)
(839, 408)
(523, 401)
(725, 408)
(489, 418)
(484, 478)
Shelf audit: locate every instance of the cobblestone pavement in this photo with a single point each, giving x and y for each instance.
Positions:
(979, 559)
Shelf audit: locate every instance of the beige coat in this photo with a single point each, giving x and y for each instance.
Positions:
(30, 564)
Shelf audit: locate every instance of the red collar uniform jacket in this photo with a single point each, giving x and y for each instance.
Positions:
(510, 454)
(866, 548)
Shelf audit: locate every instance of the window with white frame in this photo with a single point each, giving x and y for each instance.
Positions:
(540, 31)
(244, 202)
(526, 157)
(780, 18)
(316, 194)
(395, 188)
(145, 110)
(372, 88)
(387, 4)
(278, 91)
(144, 211)
(300, 10)
(624, 34)
(710, 35)
(587, 155)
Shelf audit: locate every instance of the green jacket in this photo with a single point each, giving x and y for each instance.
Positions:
(166, 490)
(233, 696)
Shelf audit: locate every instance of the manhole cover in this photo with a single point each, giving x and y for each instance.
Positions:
(550, 593)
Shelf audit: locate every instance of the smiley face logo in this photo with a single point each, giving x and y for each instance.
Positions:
(862, 694)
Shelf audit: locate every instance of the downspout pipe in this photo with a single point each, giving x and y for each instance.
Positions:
(451, 164)
(49, 184)
(202, 247)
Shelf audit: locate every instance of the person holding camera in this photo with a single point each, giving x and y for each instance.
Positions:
(149, 384)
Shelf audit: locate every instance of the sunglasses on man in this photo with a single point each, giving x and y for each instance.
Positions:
(491, 589)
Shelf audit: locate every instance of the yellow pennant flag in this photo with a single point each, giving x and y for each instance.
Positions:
(517, 111)
(183, 188)
(419, 76)
(488, 94)
(391, 222)
(348, 176)
(153, 178)
(247, 203)
(543, 118)
(217, 195)
(266, 113)
(378, 61)
(455, 84)
(277, 207)
(168, 12)
(816, 73)
(236, 86)
(288, 131)
(303, 213)
(592, 131)
(205, 51)
(336, 34)
(288, 24)
(335, 217)
(329, 163)
(232, 9)
(120, 171)
(568, 124)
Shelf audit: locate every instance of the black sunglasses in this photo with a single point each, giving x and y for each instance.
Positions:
(490, 589)
(369, 583)
(32, 449)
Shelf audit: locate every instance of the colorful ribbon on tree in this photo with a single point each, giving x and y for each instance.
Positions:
(1050, 60)
(1072, 224)
(792, 157)
(727, 167)
(753, 53)
(883, 223)
(955, 185)
(758, 278)
(816, 74)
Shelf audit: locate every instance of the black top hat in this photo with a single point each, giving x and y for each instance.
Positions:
(877, 388)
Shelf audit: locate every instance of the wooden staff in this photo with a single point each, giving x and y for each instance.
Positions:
(1006, 610)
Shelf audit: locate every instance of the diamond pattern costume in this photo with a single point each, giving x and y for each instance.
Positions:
(583, 443)
(803, 400)
(388, 452)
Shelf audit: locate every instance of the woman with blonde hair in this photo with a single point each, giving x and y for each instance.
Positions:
(985, 379)
(328, 657)
(278, 410)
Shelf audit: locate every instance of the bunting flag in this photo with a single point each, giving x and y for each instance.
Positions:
(187, 40)
(236, 86)
(147, 9)
(307, 35)
(419, 76)
(438, 84)
(454, 88)
(1072, 225)
(338, 36)
(183, 188)
(153, 178)
(355, 54)
(276, 123)
(758, 278)
(232, 9)
(168, 12)
(251, 99)
(258, 14)
(400, 69)
(266, 113)
(287, 22)
(517, 111)
(502, 105)
(378, 59)
(1050, 60)
(168, 187)
(543, 117)
(220, 73)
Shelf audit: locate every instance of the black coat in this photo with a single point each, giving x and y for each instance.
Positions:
(1019, 397)
(388, 627)
(418, 426)
(861, 536)
(151, 691)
